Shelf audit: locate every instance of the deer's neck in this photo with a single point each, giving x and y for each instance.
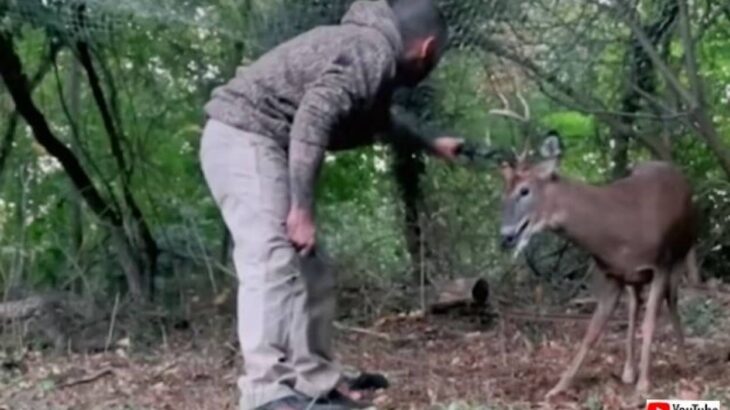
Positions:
(576, 211)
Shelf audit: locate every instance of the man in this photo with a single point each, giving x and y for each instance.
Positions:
(265, 140)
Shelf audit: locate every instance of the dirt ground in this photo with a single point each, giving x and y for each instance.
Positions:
(506, 361)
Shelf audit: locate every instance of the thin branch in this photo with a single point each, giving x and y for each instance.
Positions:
(110, 334)
(363, 331)
(656, 59)
(78, 142)
(690, 59)
(551, 317)
(84, 56)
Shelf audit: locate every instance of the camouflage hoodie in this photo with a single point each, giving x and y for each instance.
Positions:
(330, 86)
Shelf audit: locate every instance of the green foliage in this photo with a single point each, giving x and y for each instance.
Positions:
(572, 125)
(701, 316)
(160, 61)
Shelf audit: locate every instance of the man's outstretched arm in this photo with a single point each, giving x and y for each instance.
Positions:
(404, 131)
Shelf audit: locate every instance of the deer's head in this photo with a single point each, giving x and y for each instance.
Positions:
(524, 199)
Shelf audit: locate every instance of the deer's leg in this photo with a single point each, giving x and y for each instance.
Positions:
(656, 295)
(628, 376)
(608, 293)
(672, 303)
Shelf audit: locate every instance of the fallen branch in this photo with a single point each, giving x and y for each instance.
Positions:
(551, 317)
(87, 379)
(363, 331)
(165, 369)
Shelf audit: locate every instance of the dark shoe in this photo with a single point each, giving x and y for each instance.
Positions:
(336, 398)
(300, 402)
(368, 381)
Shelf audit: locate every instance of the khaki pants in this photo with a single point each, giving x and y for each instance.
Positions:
(285, 302)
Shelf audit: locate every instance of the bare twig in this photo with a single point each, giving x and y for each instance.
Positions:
(165, 369)
(363, 331)
(110, 334)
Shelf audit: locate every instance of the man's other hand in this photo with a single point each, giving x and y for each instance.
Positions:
(301, 230)
(448, 147)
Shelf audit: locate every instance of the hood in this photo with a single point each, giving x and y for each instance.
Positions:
(378, 15)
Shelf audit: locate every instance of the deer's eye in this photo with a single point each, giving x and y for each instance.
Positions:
(524, 192)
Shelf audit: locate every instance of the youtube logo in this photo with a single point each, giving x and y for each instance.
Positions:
(658, 405)
(682, 405)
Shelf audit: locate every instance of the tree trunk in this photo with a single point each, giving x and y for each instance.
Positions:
(408, 166)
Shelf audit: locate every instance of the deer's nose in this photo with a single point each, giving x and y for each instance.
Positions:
(508, 238)
(508, 241)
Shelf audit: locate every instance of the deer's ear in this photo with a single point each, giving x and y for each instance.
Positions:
(547, 169)
(551, 146)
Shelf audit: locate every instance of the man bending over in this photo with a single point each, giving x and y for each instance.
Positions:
(262, 148)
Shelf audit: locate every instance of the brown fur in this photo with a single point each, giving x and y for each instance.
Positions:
(640, 230)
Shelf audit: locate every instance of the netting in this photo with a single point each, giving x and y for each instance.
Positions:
(99, 19)
(271, 20)
(526, 30)
(560, 40)
(490, 41)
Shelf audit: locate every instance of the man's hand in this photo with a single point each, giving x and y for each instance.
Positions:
(448, 147)
(301, 230)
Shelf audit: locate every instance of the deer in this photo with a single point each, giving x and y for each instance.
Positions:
(640, 231)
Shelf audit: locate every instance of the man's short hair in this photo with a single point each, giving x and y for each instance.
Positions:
(418, 19)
